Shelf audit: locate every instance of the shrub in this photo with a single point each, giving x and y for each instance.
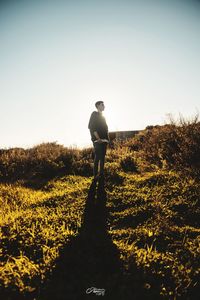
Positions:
(172, 146)
(128, 164)
(44, 160)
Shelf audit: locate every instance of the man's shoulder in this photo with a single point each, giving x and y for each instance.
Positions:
(94, 114)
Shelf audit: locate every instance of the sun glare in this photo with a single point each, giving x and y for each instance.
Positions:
(112, 120)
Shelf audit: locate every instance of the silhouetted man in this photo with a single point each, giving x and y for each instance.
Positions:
(99, 136)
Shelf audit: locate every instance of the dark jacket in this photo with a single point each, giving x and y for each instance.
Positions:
(97, 123)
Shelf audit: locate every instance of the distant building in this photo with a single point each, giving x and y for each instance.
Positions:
(122, 135)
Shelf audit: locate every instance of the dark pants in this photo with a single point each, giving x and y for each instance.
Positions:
(99, 157)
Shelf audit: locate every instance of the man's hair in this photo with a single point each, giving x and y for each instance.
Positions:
(98, 103)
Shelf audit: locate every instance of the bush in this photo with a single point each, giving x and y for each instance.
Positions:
(128, 164)
(172, 146)
(44, 160)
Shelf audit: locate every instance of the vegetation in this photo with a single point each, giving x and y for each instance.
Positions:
(138, 237)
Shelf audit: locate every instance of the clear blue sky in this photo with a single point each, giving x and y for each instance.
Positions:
(57, 58)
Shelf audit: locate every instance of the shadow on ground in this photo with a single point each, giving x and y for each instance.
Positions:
(89, 266)
(90, 260)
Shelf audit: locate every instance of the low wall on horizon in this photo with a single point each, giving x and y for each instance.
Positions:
(122, 135)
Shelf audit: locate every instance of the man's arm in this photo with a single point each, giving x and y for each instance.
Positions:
(97, 136)
(92, 126)
(99, 140)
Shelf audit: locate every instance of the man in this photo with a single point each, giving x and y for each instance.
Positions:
(99, 136)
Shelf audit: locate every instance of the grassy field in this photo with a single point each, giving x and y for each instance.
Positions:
(137, 239)
(35, 224)
(134, 235)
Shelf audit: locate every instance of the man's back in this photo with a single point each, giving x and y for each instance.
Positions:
(98, 123)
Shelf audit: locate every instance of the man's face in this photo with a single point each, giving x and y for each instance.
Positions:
(101, 107)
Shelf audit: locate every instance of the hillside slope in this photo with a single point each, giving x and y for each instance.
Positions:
(135, 239)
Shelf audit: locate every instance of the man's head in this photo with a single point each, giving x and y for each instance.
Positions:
(100, 105)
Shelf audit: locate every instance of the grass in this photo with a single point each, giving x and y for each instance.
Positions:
(151, 222)
(35, 224)
(154, 222)
(136, 235)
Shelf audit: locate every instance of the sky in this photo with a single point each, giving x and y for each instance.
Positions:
(57, 58)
